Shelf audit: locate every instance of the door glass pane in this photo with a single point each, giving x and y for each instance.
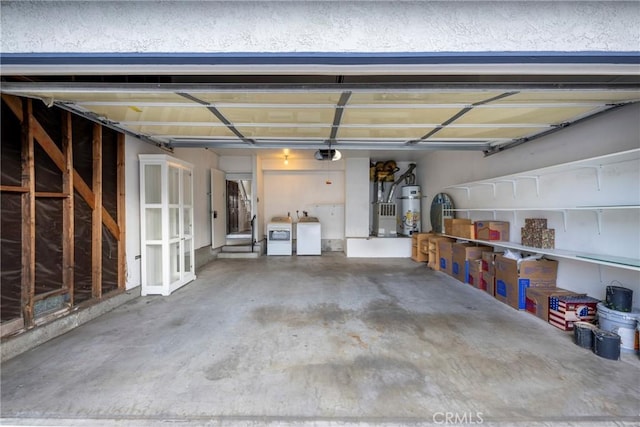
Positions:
(154, 265)
(174, 262)
(174, 185)
(152, 183)
(187, 221)
(186, 187)
(188, 267)
(174, 223)
(153, 227)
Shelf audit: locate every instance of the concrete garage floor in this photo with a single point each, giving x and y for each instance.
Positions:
(318, 341)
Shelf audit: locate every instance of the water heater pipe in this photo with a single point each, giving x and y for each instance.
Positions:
(405, 175)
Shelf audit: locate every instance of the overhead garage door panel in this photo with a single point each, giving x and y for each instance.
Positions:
(156, 114)
(278, 115)
(356, 114)
(281, 97)
(119, 97)
(397, 116)
(386, 132)
(559, 96)
(285, 132)
(184, 131)
(430, 97)
(522, 115)
(485, 133)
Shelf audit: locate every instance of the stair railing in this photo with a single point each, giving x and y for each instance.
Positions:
(253, 240)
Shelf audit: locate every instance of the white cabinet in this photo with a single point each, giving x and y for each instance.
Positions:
(166, 223)
(595, 201)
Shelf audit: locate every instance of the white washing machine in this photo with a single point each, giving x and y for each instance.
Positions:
(279, 236)
(308, 233)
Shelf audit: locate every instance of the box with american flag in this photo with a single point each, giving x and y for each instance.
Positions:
(564, 310)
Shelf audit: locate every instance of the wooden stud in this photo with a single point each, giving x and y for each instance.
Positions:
(50, 195)
(122, 260)
(28, 215)
(68, 251)
(96, 217)
(52, 150)
(14, 189)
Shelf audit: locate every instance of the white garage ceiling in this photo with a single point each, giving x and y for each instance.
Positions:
(349, 117)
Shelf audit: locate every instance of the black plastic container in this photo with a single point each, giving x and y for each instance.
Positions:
(606, 344)
(619, 298)
(583, 334)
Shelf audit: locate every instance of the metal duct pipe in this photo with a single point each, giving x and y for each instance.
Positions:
(405, 175)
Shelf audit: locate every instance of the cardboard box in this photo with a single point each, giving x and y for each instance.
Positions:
(451, 223)
(445, 255)
(424, 247)
(461, 254)
(537, 300)
(512, 280)
(434, 253)
(475, 273)
(416, 240)
(565, 310)
(488, 261)
(492, 230)
(465, 231)
(489, 283)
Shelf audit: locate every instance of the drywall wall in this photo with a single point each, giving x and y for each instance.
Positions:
(619, 184)
(203, 161)
(357, 202)
(235, 164)
(318, 26)
(258, 190)
(305, 185)
(301, 190)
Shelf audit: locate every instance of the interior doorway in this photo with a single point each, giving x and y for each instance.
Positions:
(238, 207)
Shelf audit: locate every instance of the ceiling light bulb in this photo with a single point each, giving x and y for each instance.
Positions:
(286, 159)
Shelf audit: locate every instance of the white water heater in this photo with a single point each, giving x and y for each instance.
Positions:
(410, 214)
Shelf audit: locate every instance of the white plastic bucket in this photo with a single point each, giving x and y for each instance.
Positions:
(623, 324)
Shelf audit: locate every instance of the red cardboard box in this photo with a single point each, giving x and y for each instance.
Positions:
(492, 230)
(537, 300)
(565, 310)
(489, 283)
(488, 261)
(512, 280)
(462, 253)
(475, 273)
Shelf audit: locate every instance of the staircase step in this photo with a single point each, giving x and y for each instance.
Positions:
(238, 255)
(238, 248)
(238, 240)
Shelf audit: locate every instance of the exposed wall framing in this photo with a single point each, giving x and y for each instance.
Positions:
(62, 207)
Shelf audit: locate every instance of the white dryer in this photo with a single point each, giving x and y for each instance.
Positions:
(279, 236)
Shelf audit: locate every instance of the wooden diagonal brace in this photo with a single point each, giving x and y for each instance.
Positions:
(52, 150)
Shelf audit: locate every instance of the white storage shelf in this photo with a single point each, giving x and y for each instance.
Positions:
(612, 261)
(594, 163)
(598, 165)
